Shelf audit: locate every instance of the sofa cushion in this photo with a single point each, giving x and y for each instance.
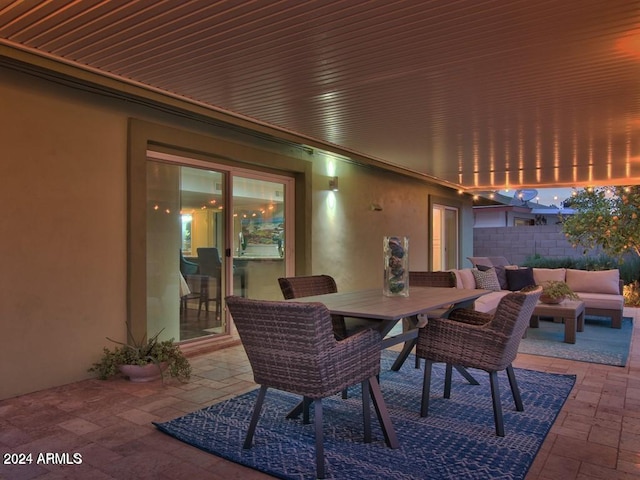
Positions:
(500, 273)
(499, 261)
(475, 261)
(489, 302)
(487, 280)
(519, 278)
(603, 281)
(542, 275)
(464, 278)
(604, 301)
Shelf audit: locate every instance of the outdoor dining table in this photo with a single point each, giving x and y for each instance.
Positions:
(389, 310)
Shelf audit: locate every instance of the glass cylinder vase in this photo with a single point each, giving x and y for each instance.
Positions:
(396, 266)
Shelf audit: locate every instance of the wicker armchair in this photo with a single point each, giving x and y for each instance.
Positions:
(422, 279)
(291, 347)
(307, 286)
(490, 346)
(436, 279)
(432, 279)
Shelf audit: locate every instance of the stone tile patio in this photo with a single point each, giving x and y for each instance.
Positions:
(596, 436)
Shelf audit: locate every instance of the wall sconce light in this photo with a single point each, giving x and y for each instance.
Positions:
(333, 183)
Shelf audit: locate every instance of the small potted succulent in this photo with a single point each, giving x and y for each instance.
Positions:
(143, 361)
(555, 291)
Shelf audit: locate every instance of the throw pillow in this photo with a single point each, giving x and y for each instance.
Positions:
(500, 273)
(487, 280)
(520, 278)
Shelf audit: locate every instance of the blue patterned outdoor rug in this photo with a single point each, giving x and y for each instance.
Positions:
(598, 343)
(457, 440)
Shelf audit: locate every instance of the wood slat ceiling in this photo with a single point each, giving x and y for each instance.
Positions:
(479, 93)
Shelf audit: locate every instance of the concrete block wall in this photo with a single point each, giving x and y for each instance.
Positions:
(519, 243)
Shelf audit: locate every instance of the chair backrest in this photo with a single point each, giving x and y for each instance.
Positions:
(432, 279)
(187, 267)
(289, 344)
(511, 319)
(209, 261)
(306, 286)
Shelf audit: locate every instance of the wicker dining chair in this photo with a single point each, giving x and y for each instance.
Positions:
(309, 285)
(426, 279)
(290, 347)
(489, 344)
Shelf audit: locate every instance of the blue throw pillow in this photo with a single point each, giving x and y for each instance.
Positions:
(519, 278)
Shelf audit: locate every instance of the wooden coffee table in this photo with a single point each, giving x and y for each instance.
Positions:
(571, 312)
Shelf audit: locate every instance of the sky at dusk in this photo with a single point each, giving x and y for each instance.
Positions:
(546, 196)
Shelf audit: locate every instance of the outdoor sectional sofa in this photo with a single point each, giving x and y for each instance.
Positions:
(601, 291)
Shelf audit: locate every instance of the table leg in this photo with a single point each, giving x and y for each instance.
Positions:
(467, 376)
(295, 411)
(580, 322)
(404, 353)
(569, 329)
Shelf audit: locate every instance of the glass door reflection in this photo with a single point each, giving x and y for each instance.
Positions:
(202, 262)
(258, 237)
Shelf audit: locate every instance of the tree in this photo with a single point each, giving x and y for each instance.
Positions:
(608, 217)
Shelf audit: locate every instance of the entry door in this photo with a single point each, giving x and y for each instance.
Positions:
(444, 237)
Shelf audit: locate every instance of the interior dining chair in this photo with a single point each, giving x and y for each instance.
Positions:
(190, 285)
(489, 343)
(210, 268)
(291, 347)
(187, 267)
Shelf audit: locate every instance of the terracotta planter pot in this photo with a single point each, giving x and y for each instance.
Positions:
(547, 299)
(143, 373)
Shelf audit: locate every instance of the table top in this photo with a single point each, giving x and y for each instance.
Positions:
(374, 304)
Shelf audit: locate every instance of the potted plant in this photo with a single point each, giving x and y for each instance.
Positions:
(555, 291)
(143, 361)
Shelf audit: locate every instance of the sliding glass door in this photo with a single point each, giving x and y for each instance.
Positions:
(211, 232)
(259, 236)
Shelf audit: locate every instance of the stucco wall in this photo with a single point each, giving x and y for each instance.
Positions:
(62, 287)
(347, 233)
(63, 173)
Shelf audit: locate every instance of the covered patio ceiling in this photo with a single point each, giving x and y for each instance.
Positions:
(476, 93)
